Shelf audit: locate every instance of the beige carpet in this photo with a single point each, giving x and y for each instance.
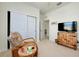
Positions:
(50, 49)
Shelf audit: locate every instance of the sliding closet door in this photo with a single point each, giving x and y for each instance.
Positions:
(31, 26)
(19, 23)
(25, 25)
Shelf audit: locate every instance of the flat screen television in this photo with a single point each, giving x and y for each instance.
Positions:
(68, 26)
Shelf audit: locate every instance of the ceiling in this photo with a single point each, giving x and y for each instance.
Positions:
(47, 6)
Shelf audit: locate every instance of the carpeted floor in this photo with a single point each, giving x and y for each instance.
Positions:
(50, 49)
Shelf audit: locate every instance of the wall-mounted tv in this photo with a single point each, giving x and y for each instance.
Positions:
(68, 26)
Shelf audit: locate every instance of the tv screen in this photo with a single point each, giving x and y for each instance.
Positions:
(67, 26)
(61, 27)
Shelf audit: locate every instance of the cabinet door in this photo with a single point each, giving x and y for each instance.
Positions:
(72, 38)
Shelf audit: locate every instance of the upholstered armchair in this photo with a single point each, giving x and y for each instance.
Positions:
(15, 39)
(20, 46)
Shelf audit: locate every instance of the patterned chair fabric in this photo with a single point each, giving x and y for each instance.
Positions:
(15, 39)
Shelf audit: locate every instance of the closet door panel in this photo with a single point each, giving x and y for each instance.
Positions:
(19, 23)
(25, 25)
(31, 27)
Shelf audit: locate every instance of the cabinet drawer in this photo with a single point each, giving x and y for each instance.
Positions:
(72, 34)
(70, 38)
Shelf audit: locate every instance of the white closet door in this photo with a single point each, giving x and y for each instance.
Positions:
(25, 25)
(31, 27)
(18, 23)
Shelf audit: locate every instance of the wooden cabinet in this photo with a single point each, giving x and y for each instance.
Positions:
(68, 39)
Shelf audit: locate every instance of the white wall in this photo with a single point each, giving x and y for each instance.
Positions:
(41, 27)
(66, 13)
(18, 7)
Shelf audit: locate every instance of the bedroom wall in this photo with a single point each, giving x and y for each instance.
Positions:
(18, 7)
(42, 26)
(66, 13)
